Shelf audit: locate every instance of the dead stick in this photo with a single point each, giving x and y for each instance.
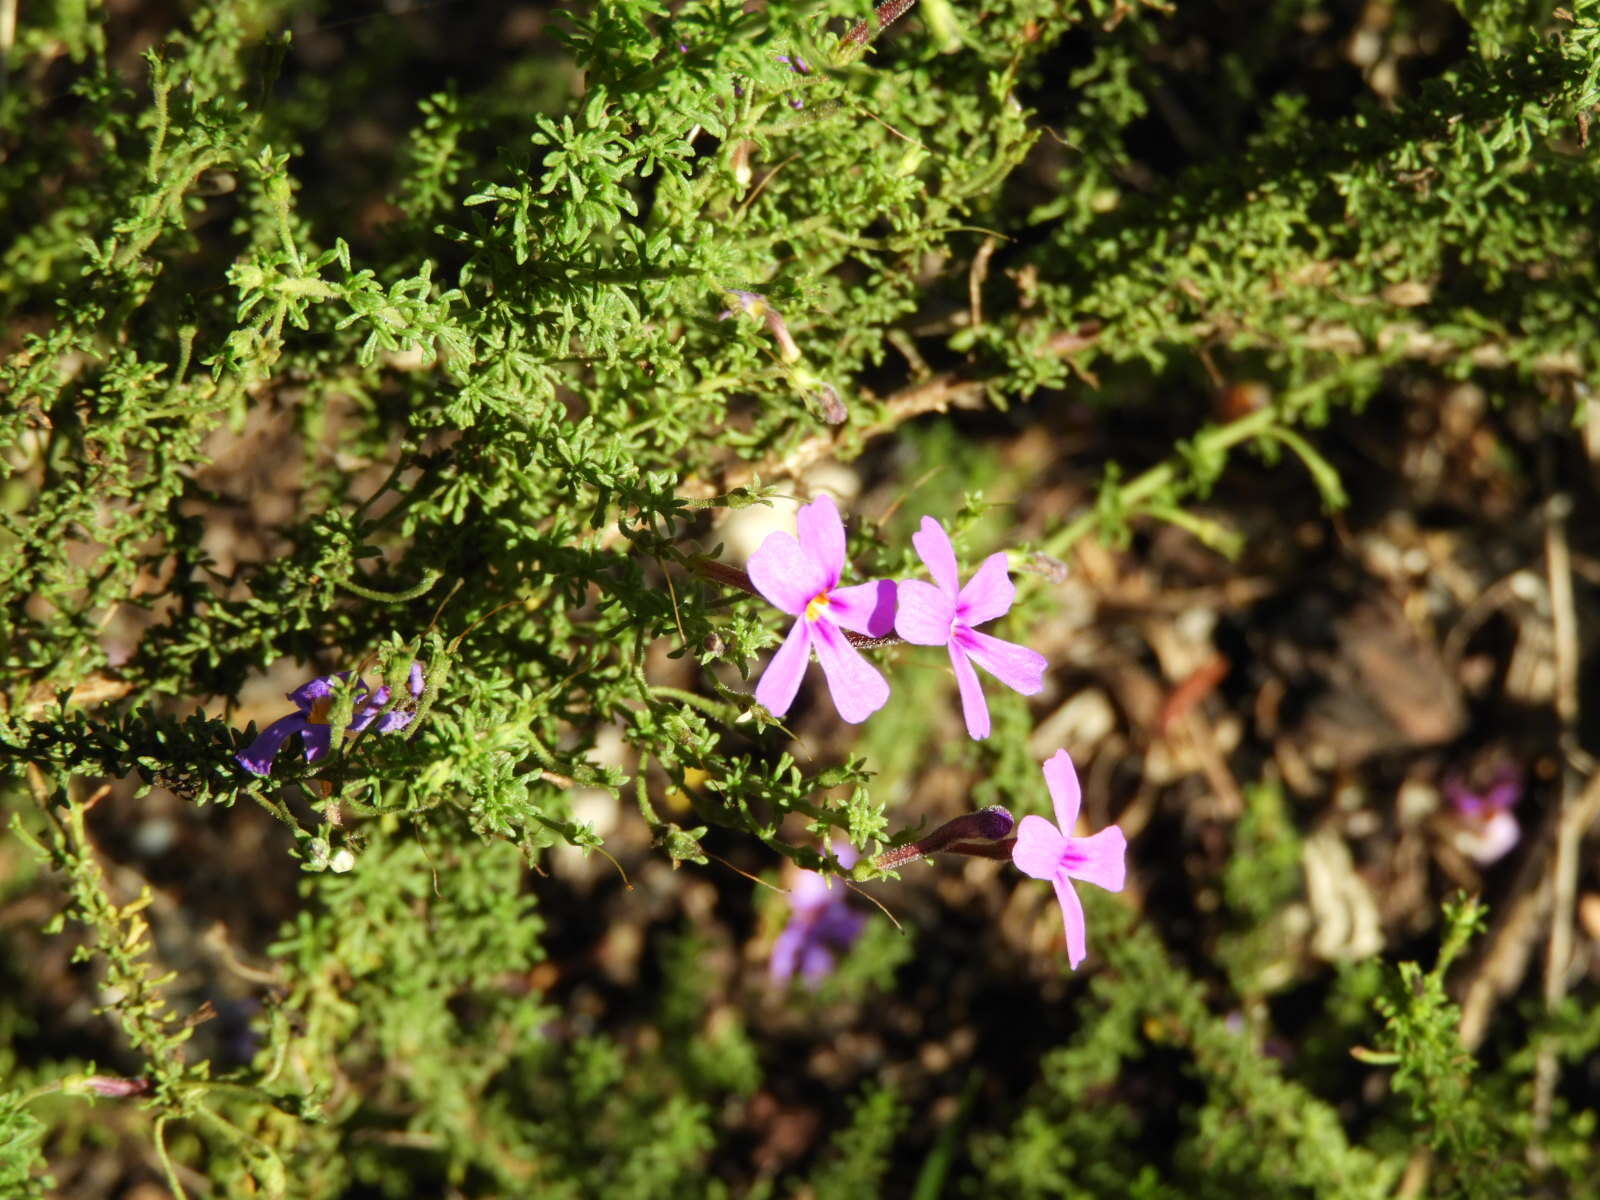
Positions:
(1564, 875)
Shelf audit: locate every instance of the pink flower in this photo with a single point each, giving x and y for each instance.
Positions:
(943, 613)
(1045, 851)
(802, 578)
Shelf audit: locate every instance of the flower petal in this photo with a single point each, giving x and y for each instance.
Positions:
(1503, 794)
(395, 720)
(839, 923)
(781, 680)
(1492, 840)
(938, 555)
(816, 962)
(867, 608)
(822, 536)
(809, 893)
(973, 706)
(753, 303)
(923, 613)
(1072, 920)
(1020, 669)
(786, 951)
(1100, 860)
(1039, 848)
(785, 575)
(988, 593)
(1061, 777)
(366, 709)
(1465, 802)
(258, 755)
(320, 688)
(316, 738)
(857, 688)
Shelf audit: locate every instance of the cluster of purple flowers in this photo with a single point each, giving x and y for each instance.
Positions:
(313, 702)
(801, 576)
(820, 926)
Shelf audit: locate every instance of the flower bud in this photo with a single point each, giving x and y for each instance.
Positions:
(986, 825)
(116, 1087)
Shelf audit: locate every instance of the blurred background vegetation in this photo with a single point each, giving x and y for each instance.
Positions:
(1261, 335)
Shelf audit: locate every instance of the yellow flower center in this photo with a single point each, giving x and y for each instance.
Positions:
(320, 707)
(817, 604)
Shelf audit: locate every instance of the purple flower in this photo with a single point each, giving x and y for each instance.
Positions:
(1047, 851)
(821, 926)
(802, 578)
(1488, 828)
(943, 613)
(315, 701)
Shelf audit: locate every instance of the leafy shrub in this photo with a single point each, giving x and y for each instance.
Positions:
(452, 339)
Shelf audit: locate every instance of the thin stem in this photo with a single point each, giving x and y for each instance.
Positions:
(277, 809)
(1163, 475)
(167, 1166)
(400, 464)
(712, 708)
(642, 795)
(429, 578)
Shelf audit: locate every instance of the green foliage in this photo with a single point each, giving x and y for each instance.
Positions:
(606, 1133)
(21, 1165)
(1264, 869)
(1255, 1127)
(1252, 1129)
(860, 1155)
(1567, 1137)
(1460, 1118)
(308, 370)
(1261, 880)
